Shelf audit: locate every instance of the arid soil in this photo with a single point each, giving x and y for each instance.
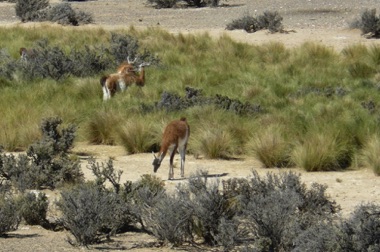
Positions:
(325, 22)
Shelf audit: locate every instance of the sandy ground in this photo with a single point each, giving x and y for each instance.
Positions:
(324, 22)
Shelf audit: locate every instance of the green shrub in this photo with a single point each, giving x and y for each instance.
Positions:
(210, 208)
(370, 154)
(91, 213)
(46, 163)
(56, 63)
(31, 10)
(197, 209)
(163, 3)
(9, 214)
(361, 231)
(270, 20)
(143, 196)
(278, 208)
(105, 172)
(53, 62)
(246, 23)
(173, 3)
(169, 220)
(62, 13)
(34, 206)
(319, 237)
(369, 23)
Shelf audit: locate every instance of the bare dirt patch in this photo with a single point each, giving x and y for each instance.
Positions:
(325, 22)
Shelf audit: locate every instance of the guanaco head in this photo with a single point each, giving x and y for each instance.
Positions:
(22, 51)
(156, 163)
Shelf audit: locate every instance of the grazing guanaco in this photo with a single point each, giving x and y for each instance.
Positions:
(175, 137)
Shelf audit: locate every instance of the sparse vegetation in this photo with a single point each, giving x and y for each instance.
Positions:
(270, 20)
(174, 3)
(40, 10)
(369, 24)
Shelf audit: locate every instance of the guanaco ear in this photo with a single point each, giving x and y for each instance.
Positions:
(154, 155)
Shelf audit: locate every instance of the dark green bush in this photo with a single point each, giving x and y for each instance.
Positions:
(40, 10)
(91, 213)
(361, 232)
(173, 3)
(209, 207)
(49, 62)
(202, 3)
(270, 20)
(246, 23)
(34, 206)
(106, 173)
(31, 10)
(163, 3)
(46, 163)
(193, 97)
(197, 209)
(169, 220)
(65, 15)
(320, 237)
(369, 24)
(7, 65)
(53, 62)
(123, 47)
(277, 209)
(9, 214)
(143, 196)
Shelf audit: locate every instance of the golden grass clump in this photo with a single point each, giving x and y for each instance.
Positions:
(271, 147)
(370, 154)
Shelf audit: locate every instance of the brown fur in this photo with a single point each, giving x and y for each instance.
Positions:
(111, 82)
(126, 67)
(27, 53)
(175, 136)
(174, 131)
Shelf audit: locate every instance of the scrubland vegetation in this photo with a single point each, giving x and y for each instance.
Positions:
(310, 107)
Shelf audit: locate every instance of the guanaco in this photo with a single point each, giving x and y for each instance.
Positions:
(175, 137)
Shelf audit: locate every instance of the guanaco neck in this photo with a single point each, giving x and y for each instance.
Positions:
(163, 150)
(141, 78)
